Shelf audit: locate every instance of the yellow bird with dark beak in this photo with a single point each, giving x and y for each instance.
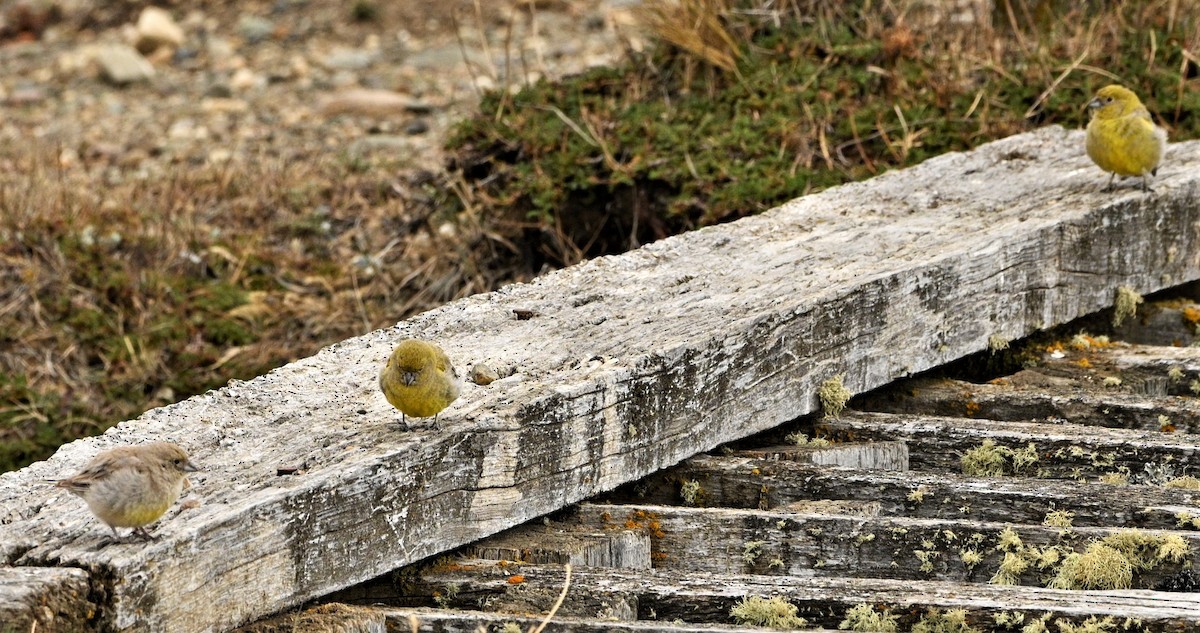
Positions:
(1122, 138)
(419, 380)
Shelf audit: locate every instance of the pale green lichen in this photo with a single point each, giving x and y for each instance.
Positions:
(1011, 567)
(1175, 374)
(691, 492)
(1090, 625)
(833, 396)
(970, 557)
(1125, 305)
(917, 495)
(990, 460)
(997, 342)
(511, 627)
(774, 612)
(1100, 566)
(1187, 482)
(1059, 518)
(801, 439)
(865, 618)
(751, 550)
(953, 621)
(1111, 381)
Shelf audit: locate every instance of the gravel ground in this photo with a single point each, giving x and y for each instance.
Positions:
(227, 82)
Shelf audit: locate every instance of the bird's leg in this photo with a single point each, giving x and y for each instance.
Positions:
(141, 532)
(1111, 178)
(1146, 187)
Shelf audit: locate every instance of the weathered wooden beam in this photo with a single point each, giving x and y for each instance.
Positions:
(1003, 401)
(624, 365)
(865, 455)
(787, 543)
(768, 484)
(705, 597)
(45, 599)
(1063, 451)
(427, 620)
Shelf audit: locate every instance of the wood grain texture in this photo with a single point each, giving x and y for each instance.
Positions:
(705, 597)
(755, 483)
(44, 599)
(629, 364)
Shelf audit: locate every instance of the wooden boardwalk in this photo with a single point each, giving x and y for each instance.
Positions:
(613, 370)
(918, 546)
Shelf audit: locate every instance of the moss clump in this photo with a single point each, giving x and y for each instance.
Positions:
(1090, 625)
(691, 492)
(1011, 567)
(1125, 305)
(1100, 566)
(991, 460)
(1187, 482)
(801, 439)
(774, 612)
(833, 396)
(864, 618)
(952, 621)
(1059, 518)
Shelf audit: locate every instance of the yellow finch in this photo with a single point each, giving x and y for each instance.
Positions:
(419, 380)
(132, 486)
(1121, 137)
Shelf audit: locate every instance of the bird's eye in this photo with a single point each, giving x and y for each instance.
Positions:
(178, 461)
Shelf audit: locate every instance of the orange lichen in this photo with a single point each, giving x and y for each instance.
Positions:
(756, 472)
(516, 579)
(632, 525)
(658, 556)
(972, 407)
(1084, 363)
(1191, 316)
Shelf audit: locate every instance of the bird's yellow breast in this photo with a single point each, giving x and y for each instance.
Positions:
(1127, 146)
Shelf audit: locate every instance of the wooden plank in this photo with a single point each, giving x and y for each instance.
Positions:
(786, 543)
(45, 599)
(558, 544)
(865, 455)
(1063, 451)
(428, 620)
(767, 484)
(704, 597)
(628, 364)
(1006, 401)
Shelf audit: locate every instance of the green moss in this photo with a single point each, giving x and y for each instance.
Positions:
(865, 618)
(774, 612)
(952, 621)
(990, 460)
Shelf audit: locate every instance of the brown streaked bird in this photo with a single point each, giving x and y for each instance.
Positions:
(132, 486)
(419, 380)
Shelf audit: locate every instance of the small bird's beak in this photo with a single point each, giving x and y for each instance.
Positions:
(189, 467)
(409, 378)
(1094, 103)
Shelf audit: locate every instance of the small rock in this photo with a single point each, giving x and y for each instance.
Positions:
(368, 102)
(416, 126)
(255, 29)
(245, 79)
(121, 64)
(484, 374)
(349, 59)
(156, 28)
(379, 143)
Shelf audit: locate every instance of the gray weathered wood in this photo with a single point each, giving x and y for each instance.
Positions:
(628, 364)
(44, 599)
(801, 544)
(705, 597)
(1091, 406)
(467, 621)
(865, 455)
(1069, 451)
(769, 484)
